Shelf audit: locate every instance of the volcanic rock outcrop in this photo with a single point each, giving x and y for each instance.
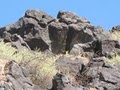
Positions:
(66, 33)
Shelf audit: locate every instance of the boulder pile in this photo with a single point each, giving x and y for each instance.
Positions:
(66, 33)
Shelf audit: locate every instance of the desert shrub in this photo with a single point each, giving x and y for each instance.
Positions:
(116, 35)
(115, 60)
(41, 68)
(6, 51)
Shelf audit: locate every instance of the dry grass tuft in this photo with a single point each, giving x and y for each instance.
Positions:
(40, 66)
(115, 60)
(116, 35)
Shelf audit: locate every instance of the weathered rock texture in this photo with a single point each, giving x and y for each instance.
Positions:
(67, 32)
(96, 74)
(71, 33)
(15, 78)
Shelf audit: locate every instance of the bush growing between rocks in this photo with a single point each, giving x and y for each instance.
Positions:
(40, 67)
(115, 60)
(116, 35)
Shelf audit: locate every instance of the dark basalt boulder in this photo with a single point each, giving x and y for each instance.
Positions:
(71, 64)
(15, 78)
(78, 34)
(85, 50)
(32, 28)
(116, 28)
(40, 16)
(61, 82)
(58, 35)
(103, 75)
(68, 68)
(81, 32)
(68, 32)
(82, 40)
(97, 74)
(70, 18)
(17, 42)
(106, 48)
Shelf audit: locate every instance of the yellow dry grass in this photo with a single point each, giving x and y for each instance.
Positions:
(40, 66)
(116, 35)
(115, 60)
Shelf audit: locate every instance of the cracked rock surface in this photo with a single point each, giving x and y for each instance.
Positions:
(70, 33)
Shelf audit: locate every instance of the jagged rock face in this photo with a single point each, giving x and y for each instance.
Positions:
(70, 65)
(106, 48)
(32, 28)
(103, 75)
(116, 28)
(68, 32)
(78, 34)
(60, 82)
(36, 29)
(58, 35)
(15, 78)
(70, 18)
(97, 74)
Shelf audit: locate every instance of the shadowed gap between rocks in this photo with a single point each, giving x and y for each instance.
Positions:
(37, 44)
(70, 35)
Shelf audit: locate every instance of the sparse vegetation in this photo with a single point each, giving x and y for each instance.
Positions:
(116, 35)
(115, 60)
(40, 66)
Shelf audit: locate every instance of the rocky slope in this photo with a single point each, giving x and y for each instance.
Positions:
(66, 33)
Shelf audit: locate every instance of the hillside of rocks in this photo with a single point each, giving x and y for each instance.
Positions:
(87, 45)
